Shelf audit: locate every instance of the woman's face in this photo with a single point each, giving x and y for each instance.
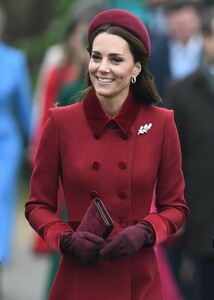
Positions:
(111, 67)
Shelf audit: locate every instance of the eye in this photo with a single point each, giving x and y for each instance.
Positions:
(95, 56)
(116, 59)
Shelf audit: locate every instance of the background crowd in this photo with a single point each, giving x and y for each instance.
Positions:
(44, 65)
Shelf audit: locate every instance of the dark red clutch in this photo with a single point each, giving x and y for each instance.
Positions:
(97, 220)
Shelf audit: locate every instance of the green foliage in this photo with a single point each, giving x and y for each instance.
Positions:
(36, 45)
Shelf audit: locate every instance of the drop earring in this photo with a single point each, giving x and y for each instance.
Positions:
(133, 80)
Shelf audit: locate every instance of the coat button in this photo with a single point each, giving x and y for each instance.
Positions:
(94, 194)
(95, 165)
(97, 135)
(122, 194)
(122, 165)
(112, 125)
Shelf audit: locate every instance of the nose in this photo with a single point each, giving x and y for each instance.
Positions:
(104, 66)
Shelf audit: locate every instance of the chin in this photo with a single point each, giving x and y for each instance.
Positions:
(102, 93)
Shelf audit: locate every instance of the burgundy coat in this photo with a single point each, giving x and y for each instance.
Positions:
(94, 155)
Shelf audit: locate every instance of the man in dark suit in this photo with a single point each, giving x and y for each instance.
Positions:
(176, 54)
(193, 102)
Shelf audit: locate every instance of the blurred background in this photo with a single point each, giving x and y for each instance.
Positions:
(35, 25)
(44, 44)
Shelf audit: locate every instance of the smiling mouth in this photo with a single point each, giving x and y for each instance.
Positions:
(104, 80)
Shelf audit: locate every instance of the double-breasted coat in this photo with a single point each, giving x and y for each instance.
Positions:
(95, 155)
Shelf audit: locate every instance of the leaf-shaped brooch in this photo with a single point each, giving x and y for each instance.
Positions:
(144, 129)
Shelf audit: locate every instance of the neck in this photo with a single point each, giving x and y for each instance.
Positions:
(110, 108)
(112, 105)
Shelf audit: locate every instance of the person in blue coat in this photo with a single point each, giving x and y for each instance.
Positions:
(15, 124)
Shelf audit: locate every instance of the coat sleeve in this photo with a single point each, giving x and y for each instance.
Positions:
(171, 208)
(41, 207)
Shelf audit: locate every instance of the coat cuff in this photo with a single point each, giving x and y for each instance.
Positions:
(160, 227)
(53, 232)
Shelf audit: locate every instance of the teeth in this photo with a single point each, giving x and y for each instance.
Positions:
(104, 80)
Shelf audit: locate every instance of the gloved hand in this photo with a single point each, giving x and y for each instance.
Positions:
(127, 242)
(84, 244)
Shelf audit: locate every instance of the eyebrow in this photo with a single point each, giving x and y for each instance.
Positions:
(111, 54)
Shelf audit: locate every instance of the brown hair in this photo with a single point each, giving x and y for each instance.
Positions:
(144, 90)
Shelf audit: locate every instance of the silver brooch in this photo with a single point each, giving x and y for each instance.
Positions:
(144, 129)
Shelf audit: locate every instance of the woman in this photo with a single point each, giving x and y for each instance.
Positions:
(116, 145)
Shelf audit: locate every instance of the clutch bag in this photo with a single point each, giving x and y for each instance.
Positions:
(97, 220)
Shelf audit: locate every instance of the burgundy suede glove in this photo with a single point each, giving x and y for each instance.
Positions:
(83, 244)
(128, 241)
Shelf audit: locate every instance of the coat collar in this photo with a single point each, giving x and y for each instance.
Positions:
(98, 120)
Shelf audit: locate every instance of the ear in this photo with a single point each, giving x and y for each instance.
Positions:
(137, 69)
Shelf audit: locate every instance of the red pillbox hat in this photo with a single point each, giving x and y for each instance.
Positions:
(122, 18)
